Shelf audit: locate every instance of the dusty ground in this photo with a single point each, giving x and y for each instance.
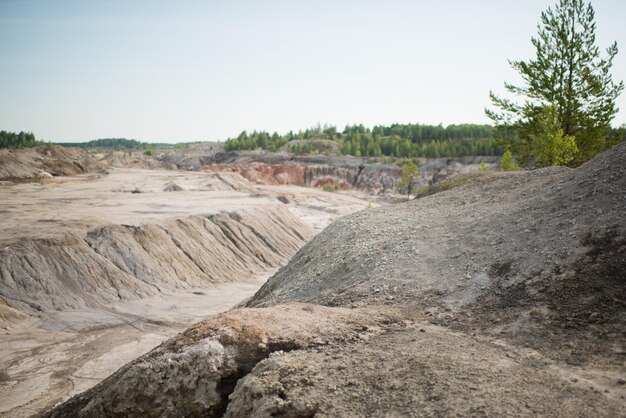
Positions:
(52, 355)
(503, 296)
(49, 359)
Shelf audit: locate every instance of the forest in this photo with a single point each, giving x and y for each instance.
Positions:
(397, 140)
(113, 143)
(18, 140)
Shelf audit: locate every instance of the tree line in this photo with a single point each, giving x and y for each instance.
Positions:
(18, 140)
(397, 140)
(112, 143)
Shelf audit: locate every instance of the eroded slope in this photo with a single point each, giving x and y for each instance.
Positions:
(119, 262)
(44, 162)
(504, 296)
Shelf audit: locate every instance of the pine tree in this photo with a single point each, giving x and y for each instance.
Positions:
(408, 179)
(567, 73)
(507, 163)
(550, 144)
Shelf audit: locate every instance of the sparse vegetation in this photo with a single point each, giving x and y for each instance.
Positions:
(447, 184)
(408, 179)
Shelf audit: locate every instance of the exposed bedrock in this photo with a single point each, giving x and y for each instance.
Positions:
(119, 262)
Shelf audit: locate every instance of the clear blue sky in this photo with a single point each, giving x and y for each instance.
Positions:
(206, 70)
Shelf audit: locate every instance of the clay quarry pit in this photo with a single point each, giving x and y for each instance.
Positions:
(58, 340)
(231, 290)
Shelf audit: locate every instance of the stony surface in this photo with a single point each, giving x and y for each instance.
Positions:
(412, 371)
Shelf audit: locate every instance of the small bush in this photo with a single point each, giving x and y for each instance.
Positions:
(331, 187)
(508, 163)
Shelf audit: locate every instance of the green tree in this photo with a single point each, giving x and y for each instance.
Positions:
(408, 179)
(550, 144)
(568, 73)
(508, 163)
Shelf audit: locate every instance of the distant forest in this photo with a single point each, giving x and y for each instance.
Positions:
(113, 143)
(18, 140)
(397, 140)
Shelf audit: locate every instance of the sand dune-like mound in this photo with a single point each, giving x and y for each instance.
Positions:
(44, 162)
(120, 262)
(501, 297)
(228, 181)
(172, 187)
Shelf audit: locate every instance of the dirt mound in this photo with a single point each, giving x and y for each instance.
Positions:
(172, 187)
(523, 251)
(501, 297)
(119, 262)
(44, 162)
(228, 181)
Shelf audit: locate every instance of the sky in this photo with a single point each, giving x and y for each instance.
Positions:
(174, 71)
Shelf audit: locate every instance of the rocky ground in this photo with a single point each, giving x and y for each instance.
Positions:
(503, 296)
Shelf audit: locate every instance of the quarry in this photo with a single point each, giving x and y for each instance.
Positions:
(312, 209)
(138, 286)
(99, 264)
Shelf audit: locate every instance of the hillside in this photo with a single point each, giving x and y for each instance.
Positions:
(503, 297)
(37, 163)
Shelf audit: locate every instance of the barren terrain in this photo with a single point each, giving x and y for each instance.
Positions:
(503, 296)
(97, 269)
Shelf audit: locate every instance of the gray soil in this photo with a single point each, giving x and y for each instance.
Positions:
(503, 296)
